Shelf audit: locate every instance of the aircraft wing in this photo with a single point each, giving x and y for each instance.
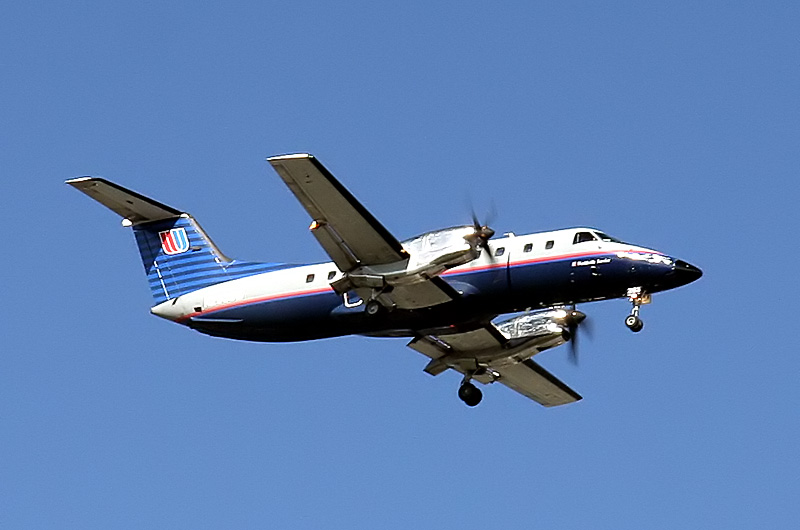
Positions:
(487, 353)
(346, 230)
(350, 235)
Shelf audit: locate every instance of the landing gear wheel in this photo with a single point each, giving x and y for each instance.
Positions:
(373, 307)
(470, 394)
(634, 323)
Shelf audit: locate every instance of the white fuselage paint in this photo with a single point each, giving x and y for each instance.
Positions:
(293, 281)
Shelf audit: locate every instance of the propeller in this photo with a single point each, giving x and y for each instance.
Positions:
(573, 320)
(483, 233)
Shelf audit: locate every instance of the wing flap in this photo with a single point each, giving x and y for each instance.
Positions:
(424, 294)
(345, 229)
(481, 339)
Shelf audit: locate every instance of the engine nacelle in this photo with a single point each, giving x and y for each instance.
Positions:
(434, 252)
(545, 328)
(429, 255)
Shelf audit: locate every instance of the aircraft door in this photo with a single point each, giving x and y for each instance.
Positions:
(489, 271)
(502, 258)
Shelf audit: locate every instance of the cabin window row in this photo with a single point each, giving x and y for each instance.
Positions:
(529, 246)
(310, 277)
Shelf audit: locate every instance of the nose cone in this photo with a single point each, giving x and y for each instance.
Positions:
(686, 272)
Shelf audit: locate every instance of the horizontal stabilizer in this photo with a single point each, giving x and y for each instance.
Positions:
(130, 205)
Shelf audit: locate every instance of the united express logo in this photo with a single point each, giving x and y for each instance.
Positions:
(174, 241)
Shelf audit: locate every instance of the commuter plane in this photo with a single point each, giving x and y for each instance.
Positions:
(443, 289)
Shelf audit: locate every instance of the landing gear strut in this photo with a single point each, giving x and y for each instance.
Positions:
(469, 393)
(379, 301)
(637, 298)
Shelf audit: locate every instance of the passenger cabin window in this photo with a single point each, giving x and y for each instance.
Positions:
(309, 278)
(581, 237)
(500, 251)
(549, 244)
(528, 247)
(331, 275)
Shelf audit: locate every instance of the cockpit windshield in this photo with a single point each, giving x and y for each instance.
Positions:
(607, 238)
(582, 237)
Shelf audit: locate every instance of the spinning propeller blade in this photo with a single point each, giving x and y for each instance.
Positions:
(573, 320)
(483, 233)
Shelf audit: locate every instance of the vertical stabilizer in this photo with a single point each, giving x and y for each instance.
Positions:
(179, 257)
(177, 254)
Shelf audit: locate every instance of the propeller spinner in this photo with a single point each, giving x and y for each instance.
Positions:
(483, 233)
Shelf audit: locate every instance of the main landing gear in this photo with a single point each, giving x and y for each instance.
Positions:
(379, 302)
(469, 393)
(373, 307)
(637, 297)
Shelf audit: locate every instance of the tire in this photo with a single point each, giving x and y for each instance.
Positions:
(470, 394)
(634, 323)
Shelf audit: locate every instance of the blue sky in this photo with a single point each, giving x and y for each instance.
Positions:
(669, 125)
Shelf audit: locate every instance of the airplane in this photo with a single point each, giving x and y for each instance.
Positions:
(444, 289)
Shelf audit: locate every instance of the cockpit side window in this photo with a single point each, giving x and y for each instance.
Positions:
(607, 238)
(581, 237)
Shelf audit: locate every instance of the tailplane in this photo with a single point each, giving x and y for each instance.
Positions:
(177, 254)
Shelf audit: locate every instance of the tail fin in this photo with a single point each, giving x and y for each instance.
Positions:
(177, 254)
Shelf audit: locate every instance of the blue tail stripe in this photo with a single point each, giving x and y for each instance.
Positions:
(196, 281)
(199, 271)
(236, 265)
(179, 267)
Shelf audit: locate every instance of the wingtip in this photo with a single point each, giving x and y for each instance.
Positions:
(77, 180)
(293, 156)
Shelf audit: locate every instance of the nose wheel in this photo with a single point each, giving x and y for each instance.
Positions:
(637, 297)
(634, 323)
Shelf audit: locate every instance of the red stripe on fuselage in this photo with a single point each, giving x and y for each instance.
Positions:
(541, 259)
(452, 272)
(256, 301)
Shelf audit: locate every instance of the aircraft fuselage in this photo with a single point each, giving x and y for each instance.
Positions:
(529, 271)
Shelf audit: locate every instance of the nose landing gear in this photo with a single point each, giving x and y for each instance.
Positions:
(637, 297)
(634, 323)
